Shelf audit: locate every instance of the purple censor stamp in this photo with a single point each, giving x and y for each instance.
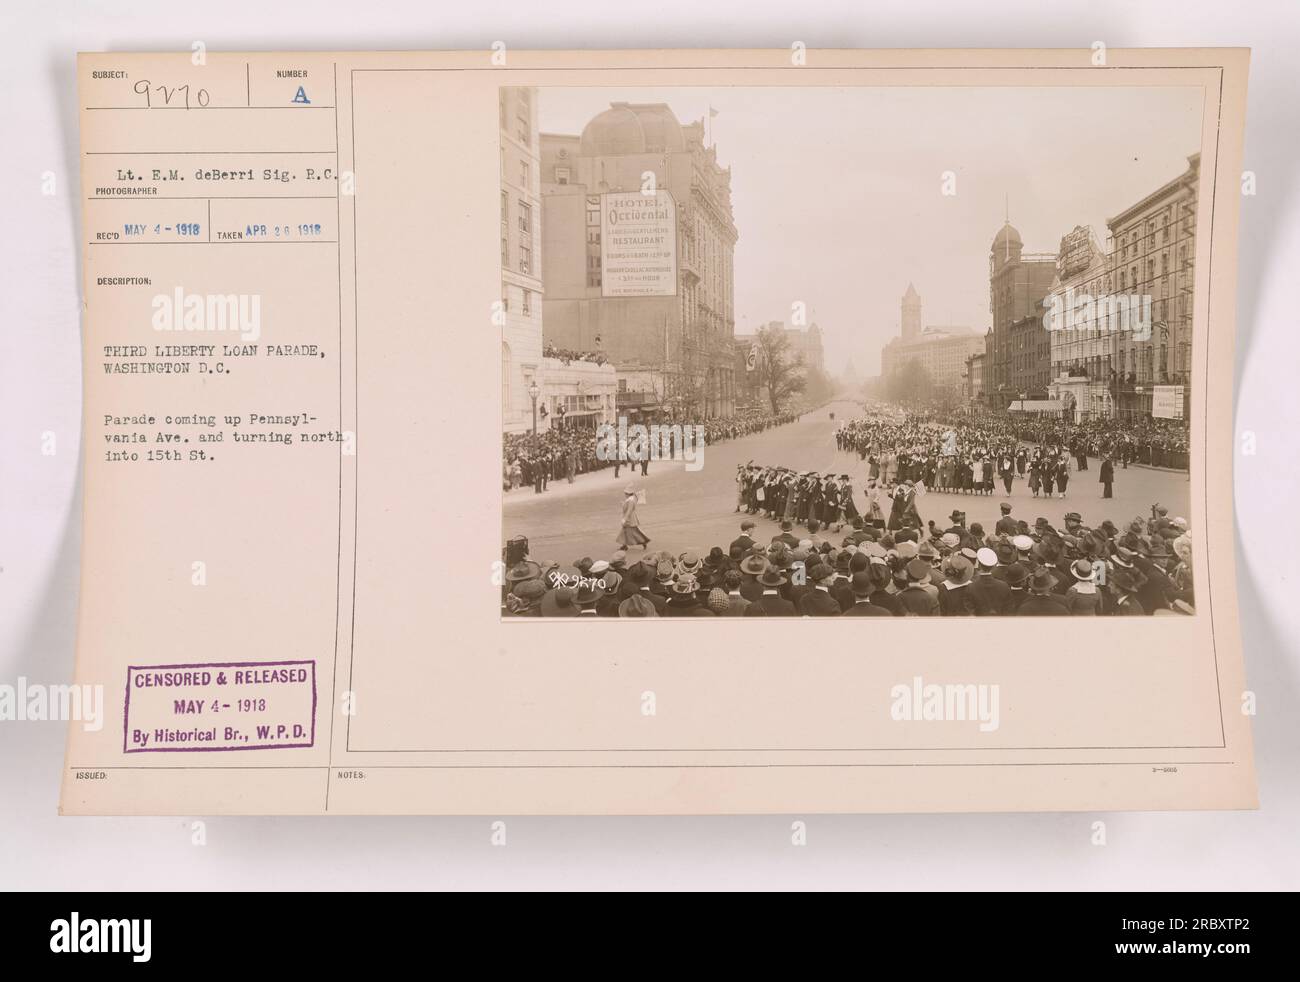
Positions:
(249, 705)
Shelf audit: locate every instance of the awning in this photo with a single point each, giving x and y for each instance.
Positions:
(1037, 406)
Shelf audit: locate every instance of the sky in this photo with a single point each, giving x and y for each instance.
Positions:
(837, 192)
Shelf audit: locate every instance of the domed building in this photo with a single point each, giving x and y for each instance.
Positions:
(628, 128)
(659, 304)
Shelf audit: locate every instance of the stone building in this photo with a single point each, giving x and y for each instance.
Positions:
(667, 325)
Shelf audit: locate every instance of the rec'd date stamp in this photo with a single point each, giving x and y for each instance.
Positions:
(264, 705)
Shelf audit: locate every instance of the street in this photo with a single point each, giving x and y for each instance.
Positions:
(696, 509)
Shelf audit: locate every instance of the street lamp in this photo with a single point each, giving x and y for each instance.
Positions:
(534, 391)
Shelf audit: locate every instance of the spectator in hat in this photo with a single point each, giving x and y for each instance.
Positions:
(684, 602)
(637, 605)
(1042, 599)
(771, 603)
(1083, 598)
(955, 596)
(990, 590)
(818, 602)
(915, 599)
(1124, 584)
(1016, 578)
(864, 588)
(525, 599)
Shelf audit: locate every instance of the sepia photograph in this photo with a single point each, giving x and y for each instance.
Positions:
(848, 351)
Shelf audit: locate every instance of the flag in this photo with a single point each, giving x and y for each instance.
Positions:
(920, 489)
(712, 112)
(751, 360)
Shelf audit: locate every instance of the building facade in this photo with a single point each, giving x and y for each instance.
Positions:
(1021, 363)
(941, 351)
(1081, 328)
(975, 379)
(1153, 254)
(521, 274)
(675, 347)
(569, 392)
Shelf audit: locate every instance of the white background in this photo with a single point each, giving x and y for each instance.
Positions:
(40, 496)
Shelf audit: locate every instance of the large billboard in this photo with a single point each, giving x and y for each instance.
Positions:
(1167, 402)
(638, 244)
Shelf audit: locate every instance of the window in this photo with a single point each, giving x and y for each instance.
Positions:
(561, 175)
(505, 237)
(527, 305)
(525, 259)
(525, 217)
(524, 173)
(505, 298)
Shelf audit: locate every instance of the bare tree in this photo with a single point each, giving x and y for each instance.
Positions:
(780, 369)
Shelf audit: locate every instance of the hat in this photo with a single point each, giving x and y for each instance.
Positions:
(950, 540)
(1005, 552)
(586, 594)
(1125, 580)
(598, 567)
(664, 570)
(786, 526)
(718, 602)
(970, 555)
(987, 558)
(612, 581)
(907, 550)
(686, 583)
(746, 525)
(529, 590)
(918, 569)
(861, 584)
(690, 562)
(842, 561)
(524, 570)
(753, 565)
(1023, 543)
(715, 557)
(957, 516)
(638, 575)
(772, 577)
(1016, 574)
(1041, 523)
(559, 603)
(927, 552)
(1072, 516)
(1006, 508)
(819, 571)
(1082, 569)
(958, 569)
(637, 606)
(1042, 581)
